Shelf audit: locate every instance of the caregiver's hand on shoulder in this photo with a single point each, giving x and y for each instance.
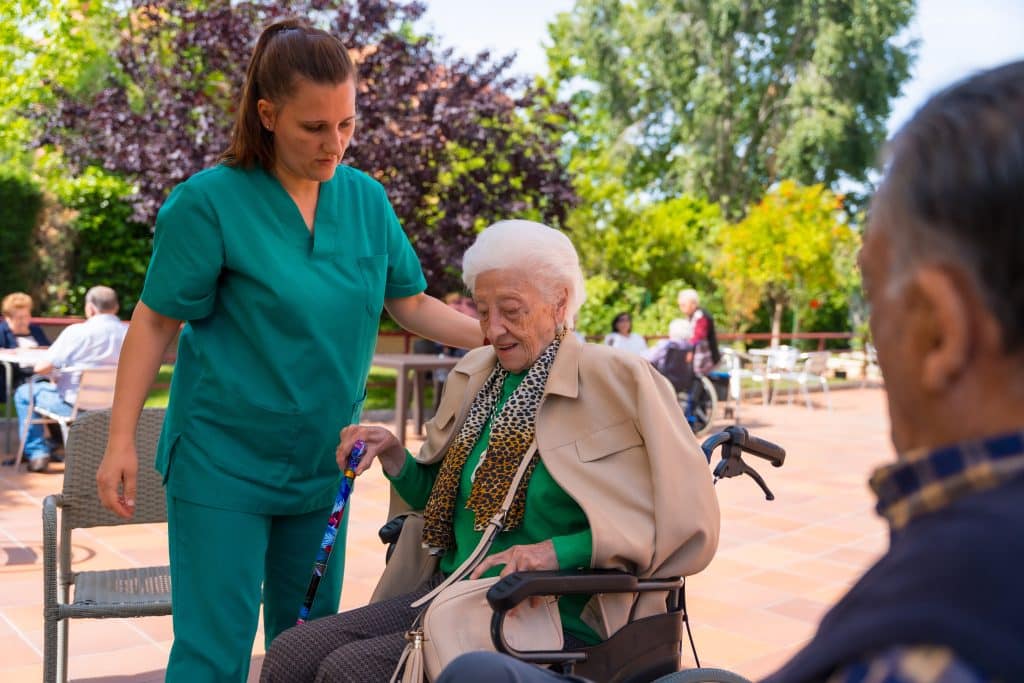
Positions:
(381, 445)
(520, 558)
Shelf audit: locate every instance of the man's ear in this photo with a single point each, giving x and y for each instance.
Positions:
(945, 321)
(267, 112)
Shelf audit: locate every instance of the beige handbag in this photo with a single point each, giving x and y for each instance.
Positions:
(458, 617)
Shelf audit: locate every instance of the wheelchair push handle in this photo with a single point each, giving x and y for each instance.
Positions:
(771, 452)
(735, 441)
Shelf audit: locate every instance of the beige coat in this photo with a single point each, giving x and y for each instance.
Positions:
(612, 434)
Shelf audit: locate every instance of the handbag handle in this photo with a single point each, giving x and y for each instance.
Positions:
(493, 528)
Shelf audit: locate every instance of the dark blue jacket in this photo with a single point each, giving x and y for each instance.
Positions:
(8, 340)
(950, 578)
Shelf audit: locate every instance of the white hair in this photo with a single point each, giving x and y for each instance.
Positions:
(689, 295)
(680, 329)
(545, 254)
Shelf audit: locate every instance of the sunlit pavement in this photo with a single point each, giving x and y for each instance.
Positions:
(779, 566)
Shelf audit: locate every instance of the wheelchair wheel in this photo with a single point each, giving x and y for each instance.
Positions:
(703, 404)
(702, 675)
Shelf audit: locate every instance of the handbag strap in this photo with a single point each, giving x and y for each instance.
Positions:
(493, 528)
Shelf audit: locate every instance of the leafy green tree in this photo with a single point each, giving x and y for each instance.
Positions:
(456, 142)
(793, 248)
(723, 98)
(640, 244)
(48, 46)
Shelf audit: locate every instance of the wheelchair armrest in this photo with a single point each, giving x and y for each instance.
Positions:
(516, 587)
(388, 534)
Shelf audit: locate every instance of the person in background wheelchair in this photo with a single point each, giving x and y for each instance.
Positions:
(685, 364)
(619, 482)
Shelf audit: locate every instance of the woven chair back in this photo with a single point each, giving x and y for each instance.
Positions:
(83, 453)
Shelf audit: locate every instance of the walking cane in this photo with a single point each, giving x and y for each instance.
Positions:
(327, 544)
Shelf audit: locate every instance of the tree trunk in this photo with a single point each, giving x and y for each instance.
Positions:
(776, 324)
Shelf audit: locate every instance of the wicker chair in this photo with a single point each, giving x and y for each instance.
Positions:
(133, 592)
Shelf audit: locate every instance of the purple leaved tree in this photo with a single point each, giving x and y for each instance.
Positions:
(457, 142)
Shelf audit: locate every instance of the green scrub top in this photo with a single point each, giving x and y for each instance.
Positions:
(281, 328)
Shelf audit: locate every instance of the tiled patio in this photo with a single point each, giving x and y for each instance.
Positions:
(779, 566)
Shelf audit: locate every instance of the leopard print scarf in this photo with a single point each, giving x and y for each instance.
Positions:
(512, 432)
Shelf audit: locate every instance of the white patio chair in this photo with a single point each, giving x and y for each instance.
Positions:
(95, 392)
(812, 370)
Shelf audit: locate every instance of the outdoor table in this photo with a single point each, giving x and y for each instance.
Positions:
(418, 364)
(766, 360)
(12, 358)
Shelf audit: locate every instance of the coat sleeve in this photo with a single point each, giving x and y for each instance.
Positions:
(686, 515)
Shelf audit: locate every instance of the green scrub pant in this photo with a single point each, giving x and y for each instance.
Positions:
(222, 562)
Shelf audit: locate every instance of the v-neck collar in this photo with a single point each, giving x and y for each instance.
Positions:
(324, 233)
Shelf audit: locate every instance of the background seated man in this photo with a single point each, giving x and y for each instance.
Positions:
(91, 344)
(16, 332)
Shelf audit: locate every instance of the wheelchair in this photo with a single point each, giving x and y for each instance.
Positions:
(646, 650)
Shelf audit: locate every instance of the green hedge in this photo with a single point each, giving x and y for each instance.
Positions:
(111, 249)
(21, 201)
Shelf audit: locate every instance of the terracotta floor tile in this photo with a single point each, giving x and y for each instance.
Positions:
(821, 570)
(809, 611)
(853, 556)
(770, 627)
(718, 647)
(22, 674)
(95, 636)
(786, 581)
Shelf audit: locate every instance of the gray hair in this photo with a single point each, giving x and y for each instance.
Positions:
(689, 295)
(544, 253)
(103, 298)
(953, 190)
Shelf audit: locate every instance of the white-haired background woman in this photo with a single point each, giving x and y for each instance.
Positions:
(618, 480)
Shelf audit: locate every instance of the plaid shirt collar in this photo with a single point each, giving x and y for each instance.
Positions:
(925, 481)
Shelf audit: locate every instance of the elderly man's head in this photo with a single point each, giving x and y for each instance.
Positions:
(100, 299)
(688, 301)
(527, 285)
(943, 259)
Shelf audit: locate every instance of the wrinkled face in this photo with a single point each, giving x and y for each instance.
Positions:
(687, 306)
(18, 320)
(517, 318)
(312, 129)
(889, 307)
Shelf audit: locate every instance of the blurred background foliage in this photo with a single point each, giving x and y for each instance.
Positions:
(723, 145)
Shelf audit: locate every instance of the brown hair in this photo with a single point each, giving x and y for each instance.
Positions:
(15, 301)
(286, 50)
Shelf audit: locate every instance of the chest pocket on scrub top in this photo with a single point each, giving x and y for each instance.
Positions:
(374, 271)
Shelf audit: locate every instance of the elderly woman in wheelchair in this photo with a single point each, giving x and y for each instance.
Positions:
(615, 479)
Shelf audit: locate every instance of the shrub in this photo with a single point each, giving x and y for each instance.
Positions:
(22, 201)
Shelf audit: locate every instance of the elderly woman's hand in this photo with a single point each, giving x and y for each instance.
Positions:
(381, 444)
(519, 558)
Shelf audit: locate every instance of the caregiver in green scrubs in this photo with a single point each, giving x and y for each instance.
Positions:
(279, 261)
